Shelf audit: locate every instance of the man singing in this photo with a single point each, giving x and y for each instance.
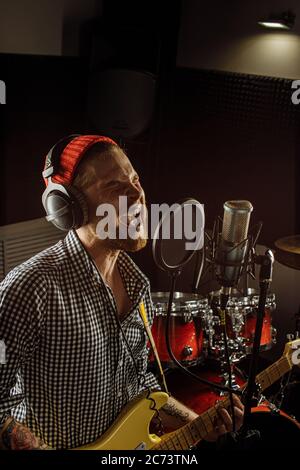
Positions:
(75, 343)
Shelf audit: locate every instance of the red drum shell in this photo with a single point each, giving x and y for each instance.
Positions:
(266, 333)
(186, 334)
(183, 335)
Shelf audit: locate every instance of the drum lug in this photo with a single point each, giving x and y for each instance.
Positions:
(187, 351)
(262, 399)
(273, 408)
(258, 397)
(188, 314)
(274, 334)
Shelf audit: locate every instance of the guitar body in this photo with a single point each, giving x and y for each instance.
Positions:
(131, 429)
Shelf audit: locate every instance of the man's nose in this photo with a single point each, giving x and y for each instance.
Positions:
(134, 191)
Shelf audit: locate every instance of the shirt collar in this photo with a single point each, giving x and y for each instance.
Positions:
(134, 280)
(78, 255)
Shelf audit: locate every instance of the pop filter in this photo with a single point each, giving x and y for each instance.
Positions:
(178, 234)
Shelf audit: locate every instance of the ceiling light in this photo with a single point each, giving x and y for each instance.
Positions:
(283, 20)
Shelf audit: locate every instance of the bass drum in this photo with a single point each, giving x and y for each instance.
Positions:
(276, 428)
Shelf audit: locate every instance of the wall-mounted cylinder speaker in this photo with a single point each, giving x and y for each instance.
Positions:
(121, 102)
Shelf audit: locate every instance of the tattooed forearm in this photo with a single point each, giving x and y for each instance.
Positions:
(15, 436)
(172, 410)
(175, 414)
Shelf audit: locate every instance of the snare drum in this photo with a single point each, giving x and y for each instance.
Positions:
(186, 334)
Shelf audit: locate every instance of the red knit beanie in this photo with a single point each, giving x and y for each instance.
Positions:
(72, 154)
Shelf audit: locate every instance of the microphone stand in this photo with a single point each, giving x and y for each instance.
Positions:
(265, 277)
(215, 386)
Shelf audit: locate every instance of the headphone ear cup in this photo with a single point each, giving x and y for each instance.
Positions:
(65, 207)
(80, 207)
(59, 208)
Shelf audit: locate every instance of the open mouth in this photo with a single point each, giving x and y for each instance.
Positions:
(134, 214)
(134, 217)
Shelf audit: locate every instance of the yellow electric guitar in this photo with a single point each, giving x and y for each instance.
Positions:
(131, 429)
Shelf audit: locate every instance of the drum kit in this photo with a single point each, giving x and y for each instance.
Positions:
(195, 326)
(196, 338)
(196, 341)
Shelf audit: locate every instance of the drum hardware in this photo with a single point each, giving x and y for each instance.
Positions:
(273, 408)
(225, 378)
(257, 398)
(274, 334)
(187, 351)
(241, 319)
(219, 352)
(261, 399)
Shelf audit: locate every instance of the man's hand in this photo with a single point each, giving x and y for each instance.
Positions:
(15, 436)
(224, 421)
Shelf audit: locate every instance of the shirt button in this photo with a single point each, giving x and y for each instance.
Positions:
(119, 394)
(121, 363)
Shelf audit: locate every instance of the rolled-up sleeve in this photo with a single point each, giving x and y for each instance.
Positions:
(23, 301)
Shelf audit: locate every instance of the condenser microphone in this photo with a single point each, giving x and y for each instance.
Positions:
(233, 243)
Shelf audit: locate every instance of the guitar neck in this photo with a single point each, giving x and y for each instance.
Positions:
(199, 428)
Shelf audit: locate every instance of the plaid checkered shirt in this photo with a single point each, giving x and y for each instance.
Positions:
(68, 370)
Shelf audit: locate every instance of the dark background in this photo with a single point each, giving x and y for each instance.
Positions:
(214, 135)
